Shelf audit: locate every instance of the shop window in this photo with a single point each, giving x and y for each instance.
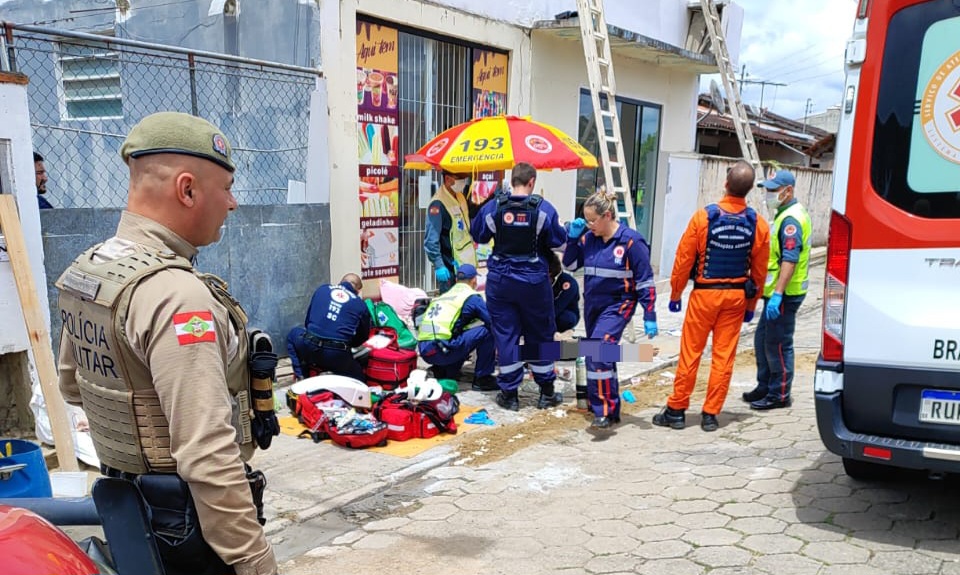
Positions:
(640, 129)
(434, 95)
(89, 81)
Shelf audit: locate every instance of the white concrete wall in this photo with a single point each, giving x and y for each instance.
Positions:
(15, 130)
(696, 180)
(664, 20)
(559, 72)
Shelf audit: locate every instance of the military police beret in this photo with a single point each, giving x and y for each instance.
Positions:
(177, 133)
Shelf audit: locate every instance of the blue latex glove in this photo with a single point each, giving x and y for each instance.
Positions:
(443, 274)
(628, 396)
(748, 316)
(576, 229)
(650, 328)
(675, 306)
(773, 306)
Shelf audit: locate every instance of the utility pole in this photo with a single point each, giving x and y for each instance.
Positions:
(806, 110)
(743, 75)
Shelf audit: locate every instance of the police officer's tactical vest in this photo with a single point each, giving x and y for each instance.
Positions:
(127, 425)
(800, 280)
(517, 227)
(443, 312)
(729, 243)
(460, 239)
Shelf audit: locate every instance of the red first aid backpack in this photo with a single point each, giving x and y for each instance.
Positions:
(407, 419)
(390, 366)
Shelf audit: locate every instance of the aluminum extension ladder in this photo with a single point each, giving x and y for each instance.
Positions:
(603, 88)
(741, 123)
(603, 92)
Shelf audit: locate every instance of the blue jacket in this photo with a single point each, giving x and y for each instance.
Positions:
(337, 312)
(550, 234)
(436, 241)
(615, 271)
(566, 301)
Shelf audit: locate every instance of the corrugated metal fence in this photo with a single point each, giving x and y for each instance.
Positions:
(86, 91)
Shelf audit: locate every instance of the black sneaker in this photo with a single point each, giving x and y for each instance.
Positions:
(708, 422)
(508, 401)
(485, 383)
(675, 418)
(547, 401)
(753, 395)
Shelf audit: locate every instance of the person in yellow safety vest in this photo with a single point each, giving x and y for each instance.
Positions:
(783, 292)
(455, 324)
(447, 242)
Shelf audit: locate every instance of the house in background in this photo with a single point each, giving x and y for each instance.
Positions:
(778, 139)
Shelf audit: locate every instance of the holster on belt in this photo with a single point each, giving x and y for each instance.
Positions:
(258, 484)
(263, 367)
(176, 527)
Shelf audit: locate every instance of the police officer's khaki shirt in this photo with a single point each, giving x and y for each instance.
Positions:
(191, 383)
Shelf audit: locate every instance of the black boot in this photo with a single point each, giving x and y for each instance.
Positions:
(675, 418)
(754, 394)
(485, 383)
(508, 400)
(548, 400)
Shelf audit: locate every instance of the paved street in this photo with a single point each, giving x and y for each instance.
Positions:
(758, 496)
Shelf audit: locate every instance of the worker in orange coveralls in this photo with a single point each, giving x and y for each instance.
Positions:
(724, 250)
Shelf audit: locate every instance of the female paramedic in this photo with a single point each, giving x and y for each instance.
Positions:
(616, 276)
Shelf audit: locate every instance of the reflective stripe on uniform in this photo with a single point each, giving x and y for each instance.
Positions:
(607, 273)
(548, 368)
(600, 374)
(510, 368)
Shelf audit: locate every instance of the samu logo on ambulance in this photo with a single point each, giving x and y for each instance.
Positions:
(940, 109)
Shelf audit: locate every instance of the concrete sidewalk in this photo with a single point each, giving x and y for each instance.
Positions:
(307, 480)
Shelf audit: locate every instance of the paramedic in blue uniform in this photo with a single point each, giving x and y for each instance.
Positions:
(454, 325)
(616, 278)
(566, 295)
(337, 321)
(519, 295)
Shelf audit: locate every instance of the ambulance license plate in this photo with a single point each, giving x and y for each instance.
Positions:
(940, 406)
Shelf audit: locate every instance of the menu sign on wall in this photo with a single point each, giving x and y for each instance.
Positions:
(377, 130)
(489, 99)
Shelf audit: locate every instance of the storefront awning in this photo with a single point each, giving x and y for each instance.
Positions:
(636, 46)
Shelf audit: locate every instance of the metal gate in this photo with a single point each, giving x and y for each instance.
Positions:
(87, 91)
(434, 95)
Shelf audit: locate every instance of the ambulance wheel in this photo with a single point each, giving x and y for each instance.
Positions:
(866, 470)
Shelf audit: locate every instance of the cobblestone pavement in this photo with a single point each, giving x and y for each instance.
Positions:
(760, 495)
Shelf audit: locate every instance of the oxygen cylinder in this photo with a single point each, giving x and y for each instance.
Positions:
(581, 383)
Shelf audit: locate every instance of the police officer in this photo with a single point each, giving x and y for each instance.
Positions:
(337, 321)
(448, 243)
(783, 292)
(156, 352)
(566, 295)
(724, 249)
(454, 325)
(519, 296)
(616, 277)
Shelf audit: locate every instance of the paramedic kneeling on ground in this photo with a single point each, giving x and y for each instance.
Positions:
(337, 321)
(454, 325)
(162, 379)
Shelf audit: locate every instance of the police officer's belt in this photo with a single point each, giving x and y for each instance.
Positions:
(108, 471)
(720, 285)
(326, 343)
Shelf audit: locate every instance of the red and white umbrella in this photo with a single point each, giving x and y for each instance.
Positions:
(499, 143)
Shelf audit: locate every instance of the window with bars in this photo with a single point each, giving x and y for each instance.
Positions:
(89, 81)
(435, 81)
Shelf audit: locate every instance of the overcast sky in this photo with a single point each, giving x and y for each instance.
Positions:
(795, 42)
